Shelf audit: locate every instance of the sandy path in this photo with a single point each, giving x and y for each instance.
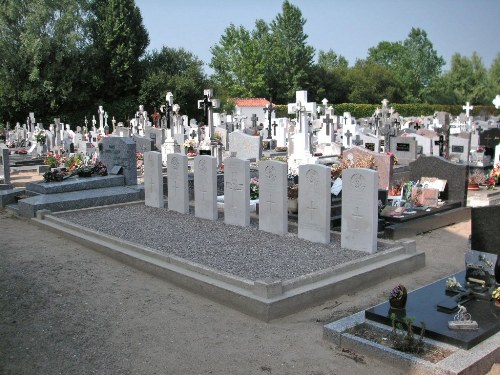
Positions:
(65, 309)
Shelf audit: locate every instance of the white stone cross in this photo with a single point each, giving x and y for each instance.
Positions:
(467, 107)
(496, 102)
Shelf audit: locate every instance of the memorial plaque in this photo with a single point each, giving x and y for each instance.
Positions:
(458, 149)
(205, 152)
(370, 146)
(403, 147)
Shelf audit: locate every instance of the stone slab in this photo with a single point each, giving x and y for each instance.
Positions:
(120, 151)
(79, 199)
(177, 171)
(75, 184)
(205, 187)
(237, 191)
(421, 305)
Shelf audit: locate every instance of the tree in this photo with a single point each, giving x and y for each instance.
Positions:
(271, 60)
(414, 62)
(494, 78)
(41, 65)
(468, 79)
(370, 83)
(293, 57)
(174, 70)
(118, 40)
(330, 60)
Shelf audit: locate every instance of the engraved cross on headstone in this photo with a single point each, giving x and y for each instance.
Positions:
(348, 134)
(327, 121)
(312, 209)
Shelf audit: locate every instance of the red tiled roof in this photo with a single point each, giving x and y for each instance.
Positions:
(250, 102)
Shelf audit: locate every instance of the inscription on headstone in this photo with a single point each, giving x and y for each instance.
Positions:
(205, 187)
(273, 200)
(120, 151)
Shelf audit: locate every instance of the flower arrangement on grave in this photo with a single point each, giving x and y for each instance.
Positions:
(477, 177)
(217, 137)
(366, 161)
(490, 183)
(55, 175)
(280, 149)
(189, 145)
(495, 173)
(398, 296)
(73, 162)
(53, 160)
(396, 189)
(496, 296)
(254, 188)
(40, 136)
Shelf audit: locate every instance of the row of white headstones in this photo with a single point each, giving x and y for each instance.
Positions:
(359, 201)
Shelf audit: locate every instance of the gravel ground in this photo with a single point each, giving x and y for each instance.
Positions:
(242, 251)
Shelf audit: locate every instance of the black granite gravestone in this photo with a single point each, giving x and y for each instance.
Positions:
(421, 305)
(454, 174)
(205, 152)
(485, 234)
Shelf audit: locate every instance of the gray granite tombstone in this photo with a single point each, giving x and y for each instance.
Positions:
(120, 151)
(404, 148)
(143, 144)
(454, 174)
(246, 146)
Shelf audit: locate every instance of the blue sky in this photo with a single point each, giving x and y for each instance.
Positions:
(349, 27)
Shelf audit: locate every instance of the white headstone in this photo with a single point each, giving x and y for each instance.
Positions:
(359, 209)
(177, 169)
(246, 146)
(314, 203)
(205, 187)
(153, 180)
(273, 200)
(237, 191)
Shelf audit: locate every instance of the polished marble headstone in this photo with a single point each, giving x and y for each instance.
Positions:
(485, 235)
(422, 305)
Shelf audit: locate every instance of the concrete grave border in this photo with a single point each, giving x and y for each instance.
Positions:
(263, 299)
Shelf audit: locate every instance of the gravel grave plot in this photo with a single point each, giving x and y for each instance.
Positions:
(245, 252)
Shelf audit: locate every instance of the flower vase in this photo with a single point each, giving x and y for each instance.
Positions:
(399, 303)
(472, 186)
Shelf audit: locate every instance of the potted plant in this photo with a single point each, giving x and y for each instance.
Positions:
(496, 296)
(398, 297)
(475, 179)
(293, 198)
(254, 188)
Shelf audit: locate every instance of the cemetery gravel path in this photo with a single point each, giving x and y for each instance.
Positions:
(65, 309)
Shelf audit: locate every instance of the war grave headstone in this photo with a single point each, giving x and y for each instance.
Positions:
(177, 173)
(5, 164)
(116, 151)
(246, 146)
(404, 148)
(384, 164)
(273, 200)
(314, 203)
(359, 209)
(205, 187)
(236, 191)
(153, 180)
